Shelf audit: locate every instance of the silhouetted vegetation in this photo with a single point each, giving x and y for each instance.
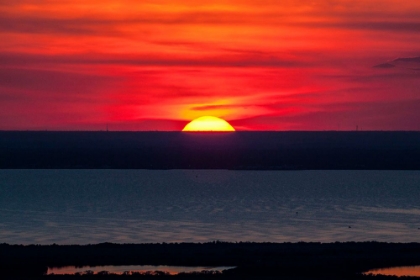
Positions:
(240, 150)
(252, 260)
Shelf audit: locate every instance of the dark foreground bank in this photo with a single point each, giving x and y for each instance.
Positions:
(252, 260)
(238, 150)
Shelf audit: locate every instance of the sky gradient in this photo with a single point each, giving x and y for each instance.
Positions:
(261, 65)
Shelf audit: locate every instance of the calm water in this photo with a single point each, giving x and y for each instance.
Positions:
(136, 206)
(397, 271)
(120, 269)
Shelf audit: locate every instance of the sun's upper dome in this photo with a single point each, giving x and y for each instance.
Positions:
(208, 123)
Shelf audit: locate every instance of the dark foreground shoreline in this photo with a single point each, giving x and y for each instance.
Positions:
(252, 260)
(330, 150)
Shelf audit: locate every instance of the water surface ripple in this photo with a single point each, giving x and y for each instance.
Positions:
(139, 206)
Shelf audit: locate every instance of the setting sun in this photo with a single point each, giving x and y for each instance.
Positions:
(208, 123)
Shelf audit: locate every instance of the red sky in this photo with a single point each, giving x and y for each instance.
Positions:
(261, 65)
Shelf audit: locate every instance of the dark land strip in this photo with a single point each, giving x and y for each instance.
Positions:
(236, 151)
(252, 260)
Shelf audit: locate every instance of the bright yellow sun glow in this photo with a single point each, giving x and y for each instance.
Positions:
(208, 123)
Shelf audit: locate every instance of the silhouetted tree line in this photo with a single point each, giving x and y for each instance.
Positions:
(252, 260)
